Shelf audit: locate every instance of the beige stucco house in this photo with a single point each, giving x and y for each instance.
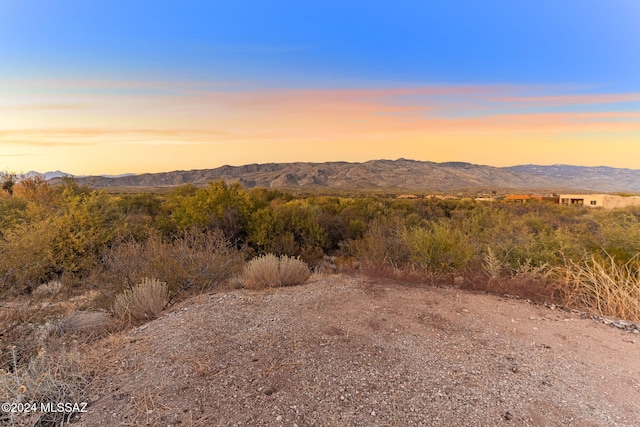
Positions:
(606, 201)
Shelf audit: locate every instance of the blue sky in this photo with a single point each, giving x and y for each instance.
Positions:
(589, 42)
(537, 51)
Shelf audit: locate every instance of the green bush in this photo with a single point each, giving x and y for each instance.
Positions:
(618, 233)
(439, 248)
(288, 228)
(218, 206)
(27, 256)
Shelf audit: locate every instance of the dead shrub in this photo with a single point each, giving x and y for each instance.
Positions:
(492, 266)
(43, 379)
(144, 302)
(292, 271)
(261, 272)
(192, 261)
(382, 246)
(48, 290)
(522, 287)
(407, 275)
(602, 285)
(269, 271)
(81, 321)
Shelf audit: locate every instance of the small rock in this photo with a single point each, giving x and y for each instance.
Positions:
(373, 413)
(508, 416)
(279, 418)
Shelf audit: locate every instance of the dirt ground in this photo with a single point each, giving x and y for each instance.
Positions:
(351, 351)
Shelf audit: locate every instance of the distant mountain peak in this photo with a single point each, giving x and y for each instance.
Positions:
(46, 175)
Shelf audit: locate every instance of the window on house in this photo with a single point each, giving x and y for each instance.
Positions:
(593, 203)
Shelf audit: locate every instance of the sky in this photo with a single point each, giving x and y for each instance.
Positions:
(111, 87)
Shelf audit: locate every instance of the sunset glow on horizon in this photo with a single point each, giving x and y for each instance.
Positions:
(197, 96)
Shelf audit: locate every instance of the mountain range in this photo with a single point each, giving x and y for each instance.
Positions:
(395, 175)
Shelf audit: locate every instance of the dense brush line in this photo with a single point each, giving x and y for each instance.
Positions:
(195, 239)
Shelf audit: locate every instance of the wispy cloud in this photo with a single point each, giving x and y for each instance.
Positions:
(581, 99)
(94, 136)
(193, 117)
(44, 107)
(211, 116)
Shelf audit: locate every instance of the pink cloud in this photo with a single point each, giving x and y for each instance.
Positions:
(557, 100)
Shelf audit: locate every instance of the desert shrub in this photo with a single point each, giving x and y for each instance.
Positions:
(268, 271)
(261, 272)
(44, 379)
(218, 206)
(365, 209)
(528, 271)
(13, 210)
(140, 214)
(492, 266)
(194, 260)
(27, 257)
(85, 321)
(144, 302)
(335, 229)
(142, 203)
(37, 190)
(493, 227)
(85, 227)
(517, 234)
(262, 197)
(602, 285)
(48, 290)
(292, 271)
(290, 228)
(526, 280)
(62, 240)
(617, 232)
(382, 245)
(439, 248)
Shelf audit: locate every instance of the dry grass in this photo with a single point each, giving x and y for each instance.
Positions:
(292, 271)
(269, 271)
(602, 285)
(49, 289)
(144, 302)
(261, 272)
(492, 266)
(44, 379)
(85, 321)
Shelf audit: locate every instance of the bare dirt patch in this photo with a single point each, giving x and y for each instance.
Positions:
(344, 350)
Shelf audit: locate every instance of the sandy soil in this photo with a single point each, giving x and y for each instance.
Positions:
(351, 351)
